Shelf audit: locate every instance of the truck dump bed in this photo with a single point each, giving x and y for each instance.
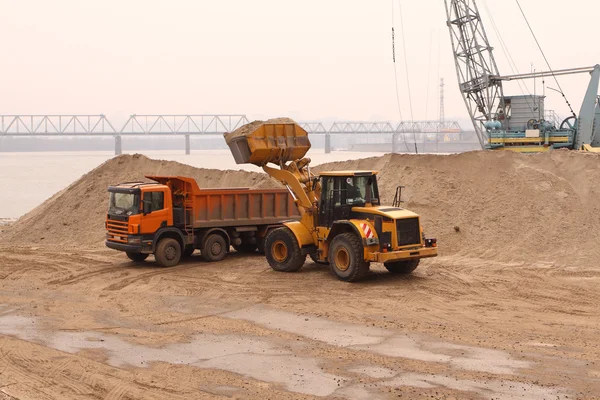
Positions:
(205, 208)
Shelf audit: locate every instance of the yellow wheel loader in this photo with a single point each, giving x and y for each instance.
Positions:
(342, 222)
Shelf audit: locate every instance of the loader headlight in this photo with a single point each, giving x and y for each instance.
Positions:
(431, 242)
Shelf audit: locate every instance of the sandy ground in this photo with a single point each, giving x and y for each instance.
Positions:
(508, 311)
(89, 324)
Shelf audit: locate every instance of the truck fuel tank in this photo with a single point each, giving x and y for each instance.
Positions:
(274, 141)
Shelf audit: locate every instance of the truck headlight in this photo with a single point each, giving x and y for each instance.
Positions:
(134, 240)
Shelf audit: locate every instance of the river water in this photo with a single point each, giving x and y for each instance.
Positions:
(27, 179)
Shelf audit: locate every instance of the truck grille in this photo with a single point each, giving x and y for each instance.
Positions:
(408, 231)
(117, 230)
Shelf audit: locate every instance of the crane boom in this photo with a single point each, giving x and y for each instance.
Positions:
(475, 65)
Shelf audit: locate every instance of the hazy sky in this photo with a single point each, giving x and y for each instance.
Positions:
(310, 59)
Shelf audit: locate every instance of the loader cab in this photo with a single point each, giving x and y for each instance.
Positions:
(342, 190)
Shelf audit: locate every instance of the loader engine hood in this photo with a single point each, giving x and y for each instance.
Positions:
(382, 211)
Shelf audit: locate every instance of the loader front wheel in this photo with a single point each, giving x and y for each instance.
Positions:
(168, 252)
(346, 257)
(137, 257)
(402, 267)
(283, 251)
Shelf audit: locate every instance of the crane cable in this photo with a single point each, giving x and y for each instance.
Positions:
(545, 59)
(407, 76)
(396, 74)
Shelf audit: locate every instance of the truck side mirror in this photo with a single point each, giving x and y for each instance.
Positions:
(147, 205)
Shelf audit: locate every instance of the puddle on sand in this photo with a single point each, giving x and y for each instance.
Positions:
(250, 356)
(374, 372)
(382, 341)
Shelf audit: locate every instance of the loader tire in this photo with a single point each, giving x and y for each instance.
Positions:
(189, 250)
(245, 248)
(402, 267)
(283, 251)
(214, 248)
(346, 257)
(168, 252)
(137, 257)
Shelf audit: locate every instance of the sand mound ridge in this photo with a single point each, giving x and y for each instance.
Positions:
(493, 205)
(75, 216)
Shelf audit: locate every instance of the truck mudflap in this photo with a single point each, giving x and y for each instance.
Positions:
(411, 254)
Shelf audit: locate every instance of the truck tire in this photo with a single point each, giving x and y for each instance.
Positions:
(283, 251)
(168, 252)
(245, 247)
(188, 251)
(137, 257)
(346, 257)
(402, 267)
(214, 248)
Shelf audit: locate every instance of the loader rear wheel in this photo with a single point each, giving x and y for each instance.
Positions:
(402, 267)
(346, 257)
(137, 257)
(214, 248)
(168, 252)
(283, 251)
(245, 247)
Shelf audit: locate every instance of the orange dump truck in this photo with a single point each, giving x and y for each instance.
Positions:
(172, 217)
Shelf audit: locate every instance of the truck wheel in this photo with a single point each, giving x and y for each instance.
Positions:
(346, 257)
(245, 247)
(282, 250)
(137, 257)
(188, 251)
(402, 267)
(168, 252)
(214, 248)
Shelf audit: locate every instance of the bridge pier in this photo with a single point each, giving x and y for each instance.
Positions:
(187, 145)
(118, 146)
(394, 143)
(327, 143)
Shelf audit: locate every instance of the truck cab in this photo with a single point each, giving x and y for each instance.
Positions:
(136, 211)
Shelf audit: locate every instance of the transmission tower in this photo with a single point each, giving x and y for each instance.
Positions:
(475, 65)
(442, 117)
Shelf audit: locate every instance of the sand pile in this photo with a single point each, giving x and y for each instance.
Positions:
(76, 215)
(505, 206)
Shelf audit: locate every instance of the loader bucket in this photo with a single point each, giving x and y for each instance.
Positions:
(273, 141)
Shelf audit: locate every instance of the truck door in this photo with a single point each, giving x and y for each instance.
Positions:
(155, 215)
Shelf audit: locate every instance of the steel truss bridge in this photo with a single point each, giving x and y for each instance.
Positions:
(188, 125)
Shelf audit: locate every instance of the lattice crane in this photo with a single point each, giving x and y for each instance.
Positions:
(512, 122)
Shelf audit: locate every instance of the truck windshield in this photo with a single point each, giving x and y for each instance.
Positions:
(124, 203)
